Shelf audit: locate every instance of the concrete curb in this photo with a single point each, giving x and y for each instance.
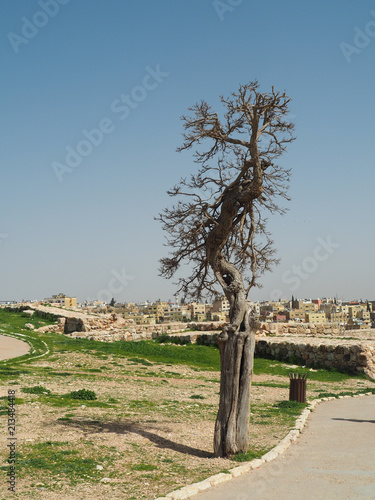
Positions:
(189, 491)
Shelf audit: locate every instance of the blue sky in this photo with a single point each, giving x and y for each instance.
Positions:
(89, 230)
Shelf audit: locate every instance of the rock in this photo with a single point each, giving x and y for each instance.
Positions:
(29, 312)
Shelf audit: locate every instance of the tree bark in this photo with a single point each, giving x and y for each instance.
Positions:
(236, 346)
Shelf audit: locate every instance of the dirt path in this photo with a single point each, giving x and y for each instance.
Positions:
(12, 348)
(333, 458)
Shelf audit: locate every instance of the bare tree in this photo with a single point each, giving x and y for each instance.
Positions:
(218, 228)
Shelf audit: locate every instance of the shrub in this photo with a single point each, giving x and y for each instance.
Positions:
(84, 394)
(169, 339)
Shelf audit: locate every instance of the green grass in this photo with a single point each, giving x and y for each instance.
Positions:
(13, 324)
(143, 466)
(346, 393)
(251, 454)
(282, 412)
(141, 361)
(293, 408)
(61, 458)
(170, 339)
(37, 389)
(273, 367)
(270, 384)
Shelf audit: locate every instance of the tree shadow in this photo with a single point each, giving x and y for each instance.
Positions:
(141, 428)
(355, 420)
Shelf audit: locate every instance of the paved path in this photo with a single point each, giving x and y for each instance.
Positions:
(334, 458)
(12, 348)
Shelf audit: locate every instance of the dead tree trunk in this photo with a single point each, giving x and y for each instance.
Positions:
(237, 340)
(233, 418)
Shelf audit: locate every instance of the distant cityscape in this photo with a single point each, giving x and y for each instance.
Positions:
(349, 315)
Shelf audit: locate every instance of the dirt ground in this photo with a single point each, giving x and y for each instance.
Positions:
(12, 348)
(149, 432)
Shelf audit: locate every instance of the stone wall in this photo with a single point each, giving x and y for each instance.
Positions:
(348, 355)
(329, 329)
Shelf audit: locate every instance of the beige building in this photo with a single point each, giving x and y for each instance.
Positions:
(159, 310)
(339, 317)
(315, 317)
(176, 315)
(198, 309)
(144, 319)
(61, 300)
(309, 307)
(221, 305)
(277, 306)
(218, 316)
(297, 315)
(201, 316)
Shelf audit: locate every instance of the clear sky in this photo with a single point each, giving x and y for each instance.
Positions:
(84, 224)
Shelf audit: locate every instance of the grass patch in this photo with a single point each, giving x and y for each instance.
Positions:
(290, 407)
(37, 389)
(144, 466)
(269, 384)
(59, 458)
(251, 454)
(140, 361)
(273, 367)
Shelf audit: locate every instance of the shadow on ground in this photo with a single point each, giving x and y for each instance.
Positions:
(144, 429)
(356, 420)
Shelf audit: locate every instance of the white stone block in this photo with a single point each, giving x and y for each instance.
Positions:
(271, 455)
(242, 469)
(203, 485)
(257, 462)
(219, 478)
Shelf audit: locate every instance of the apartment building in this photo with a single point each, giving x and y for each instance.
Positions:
(315, 317)
(221, 305)
(61, 300)
(297, 315)
(198, 310)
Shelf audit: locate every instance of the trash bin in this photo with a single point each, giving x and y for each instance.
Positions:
(297, 388)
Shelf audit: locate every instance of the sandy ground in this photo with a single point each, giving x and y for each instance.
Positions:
(12, 348)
